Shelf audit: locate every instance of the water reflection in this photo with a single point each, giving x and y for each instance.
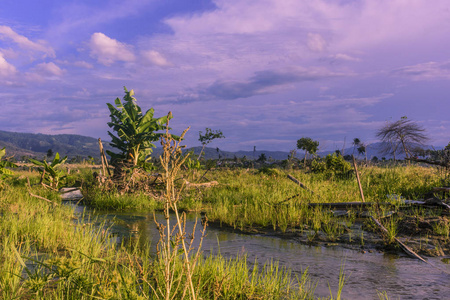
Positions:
(400, 277)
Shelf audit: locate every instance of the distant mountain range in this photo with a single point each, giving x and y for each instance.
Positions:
(37, 145)
(72, 145)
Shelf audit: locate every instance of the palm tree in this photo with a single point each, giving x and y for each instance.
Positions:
(355, 144)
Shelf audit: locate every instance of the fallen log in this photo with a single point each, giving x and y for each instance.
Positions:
(441, 189)
(437, 202)
(430, 162)
(405, 248)
(344, 205)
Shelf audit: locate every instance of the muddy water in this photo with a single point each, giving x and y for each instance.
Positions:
(401, 277)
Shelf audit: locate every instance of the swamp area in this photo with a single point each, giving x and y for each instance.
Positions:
(238, 232)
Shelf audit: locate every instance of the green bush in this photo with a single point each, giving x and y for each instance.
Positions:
(332, 166)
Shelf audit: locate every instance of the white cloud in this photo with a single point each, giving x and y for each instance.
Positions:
(425, 71)
(6, 69)
(107, 50)
(24, 42)
(156, 58)
(344, 57)
(49, 69)
(44, 71)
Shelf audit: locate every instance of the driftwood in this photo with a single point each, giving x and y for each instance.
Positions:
(36, 196)
(436, 202)
(405, 248)
(197, 185)
(42, 198)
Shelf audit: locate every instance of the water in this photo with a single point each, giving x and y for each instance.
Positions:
(401, 277)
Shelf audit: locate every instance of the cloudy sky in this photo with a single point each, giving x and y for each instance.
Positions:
(265, 72)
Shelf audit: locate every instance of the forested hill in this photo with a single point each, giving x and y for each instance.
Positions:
(72, 145)
(37, 145)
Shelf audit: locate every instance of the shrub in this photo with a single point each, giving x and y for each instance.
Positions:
(332, 166)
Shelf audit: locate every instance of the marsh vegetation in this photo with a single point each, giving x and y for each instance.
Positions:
(48, 252)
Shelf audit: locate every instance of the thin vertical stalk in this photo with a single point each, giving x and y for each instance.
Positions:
(357, 178)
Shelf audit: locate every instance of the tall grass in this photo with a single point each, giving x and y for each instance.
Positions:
(47, 254)
(247, 198)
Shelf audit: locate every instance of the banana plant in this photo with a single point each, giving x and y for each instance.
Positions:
(135, 131)
(4, 164)
(49, 173)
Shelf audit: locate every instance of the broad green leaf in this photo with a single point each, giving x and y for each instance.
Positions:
(36, 162)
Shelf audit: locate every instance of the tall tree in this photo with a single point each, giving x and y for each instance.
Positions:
(356, 142)
(49, 153)
(404, 133)
(362, 149)
(309, 145)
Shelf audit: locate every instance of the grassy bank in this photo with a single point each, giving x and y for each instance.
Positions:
(47, 254)
(265, 200)
(261, 201)
(249, 198)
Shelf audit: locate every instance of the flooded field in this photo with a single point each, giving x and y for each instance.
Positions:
(366, 273)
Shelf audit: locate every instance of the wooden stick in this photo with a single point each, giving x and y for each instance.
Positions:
(105, 165)
(42, 176)
(299, 183)
(357, 178)
(283, 201)
(100, 145)
(405, 248)
(42, 198)
(289, 176)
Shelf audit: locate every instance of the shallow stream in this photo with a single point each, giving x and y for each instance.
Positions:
(366, 273)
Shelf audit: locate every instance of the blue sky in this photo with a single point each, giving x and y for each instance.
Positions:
(265, 72)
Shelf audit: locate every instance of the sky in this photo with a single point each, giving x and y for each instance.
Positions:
(265, 73)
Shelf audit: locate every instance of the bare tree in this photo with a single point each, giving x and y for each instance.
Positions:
(404, 133)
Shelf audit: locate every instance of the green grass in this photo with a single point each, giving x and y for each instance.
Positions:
(251, 198)
(62, 258)
(46, 253)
